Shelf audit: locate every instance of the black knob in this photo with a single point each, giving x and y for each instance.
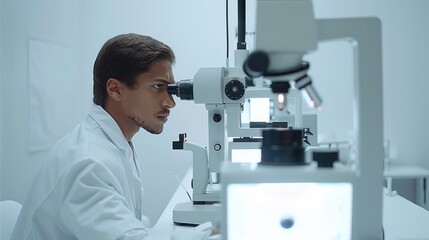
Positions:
(325, 158)
(234, 89)
(217, 117)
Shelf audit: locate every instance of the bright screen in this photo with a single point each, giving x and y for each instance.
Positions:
(289, 211)
(245, 155)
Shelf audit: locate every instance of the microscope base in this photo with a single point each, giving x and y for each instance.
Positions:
(193, 214)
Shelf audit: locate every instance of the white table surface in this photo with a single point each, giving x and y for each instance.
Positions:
(403, 219)
(165, 226)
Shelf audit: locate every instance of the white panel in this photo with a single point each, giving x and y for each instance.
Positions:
(53, 92)
(332, 73)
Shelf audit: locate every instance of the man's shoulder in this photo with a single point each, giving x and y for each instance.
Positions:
(87, 144)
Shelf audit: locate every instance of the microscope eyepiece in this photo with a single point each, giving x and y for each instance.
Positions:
(172, 89)
(183, 89)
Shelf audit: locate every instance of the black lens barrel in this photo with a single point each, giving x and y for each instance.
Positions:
(183, 89)
(282, 147)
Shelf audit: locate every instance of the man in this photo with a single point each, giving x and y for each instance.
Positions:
(90, 187)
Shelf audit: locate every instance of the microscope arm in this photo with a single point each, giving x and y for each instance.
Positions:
(200, 164)
(200, 167)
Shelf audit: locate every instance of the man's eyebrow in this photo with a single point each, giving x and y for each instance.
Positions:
(163, 80)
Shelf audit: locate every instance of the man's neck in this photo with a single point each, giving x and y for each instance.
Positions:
(125, 124)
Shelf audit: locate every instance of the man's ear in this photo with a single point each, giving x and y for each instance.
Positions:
(114, 89)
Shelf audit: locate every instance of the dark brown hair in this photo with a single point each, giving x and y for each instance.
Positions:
(124, 57)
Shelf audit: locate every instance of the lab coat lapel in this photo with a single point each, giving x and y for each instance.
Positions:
(130, 160)
(139, 185)
(109, 126)
(135, 159)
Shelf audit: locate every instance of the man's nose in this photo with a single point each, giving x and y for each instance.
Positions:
(169, 101)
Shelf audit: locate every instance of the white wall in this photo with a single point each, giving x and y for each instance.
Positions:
(13, 115)
(1, 98)
(53, 24)
(195, 30)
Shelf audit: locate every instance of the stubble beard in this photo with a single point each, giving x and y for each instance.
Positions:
(143, 125)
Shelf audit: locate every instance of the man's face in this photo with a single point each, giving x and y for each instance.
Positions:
(148, 104)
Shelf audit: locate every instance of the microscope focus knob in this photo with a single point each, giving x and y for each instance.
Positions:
(217, 117)
(217, 147)
(234, 89)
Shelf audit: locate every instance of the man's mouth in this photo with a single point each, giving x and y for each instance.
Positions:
(163, 115)
(163, 118)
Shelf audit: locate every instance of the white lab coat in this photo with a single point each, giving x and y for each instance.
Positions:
(89, 188)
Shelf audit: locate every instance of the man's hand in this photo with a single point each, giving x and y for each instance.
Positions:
(215, 231)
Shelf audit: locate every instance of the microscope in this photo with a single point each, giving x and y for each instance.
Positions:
(286, 195)
(223, 91)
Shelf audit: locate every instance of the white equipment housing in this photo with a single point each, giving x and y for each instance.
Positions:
(366, 176)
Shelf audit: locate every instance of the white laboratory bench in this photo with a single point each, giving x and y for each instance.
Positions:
(165, 226)
(420, 174)
(402, 219)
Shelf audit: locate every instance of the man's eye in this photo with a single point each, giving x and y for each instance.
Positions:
(158, 86)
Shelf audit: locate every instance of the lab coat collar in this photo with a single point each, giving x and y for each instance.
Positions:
(109, 126)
